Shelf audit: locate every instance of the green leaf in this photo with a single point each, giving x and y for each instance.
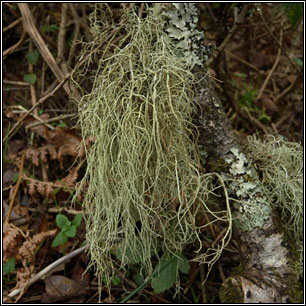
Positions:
(62, 221)
(77, 220)
(50, 28)
(116, 280)
(298, 61)
(133, 257)
(184, 265)
(166, 278)
(59, 239)
(15, 177)
(30, 78)
(33, 57)
(40, 112)
(9, 266)
(71, 231)
(62, 125)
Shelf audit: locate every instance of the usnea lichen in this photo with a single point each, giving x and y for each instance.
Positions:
(281, 165)
(144, 189)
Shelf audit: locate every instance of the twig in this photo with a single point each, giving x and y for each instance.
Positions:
(61, 34)
(232, 31)
(279, 45)
(49, 268)
(13, 24)
(32, 88)
(18, 83)
(273, 68)
(77, 23)
(241, 60)
(203, 288)
(141, 10)
(50, 120)
(14, 47)
(289, 89)
(246, 114)
(40, 101)
(7, 219)
(29, 26)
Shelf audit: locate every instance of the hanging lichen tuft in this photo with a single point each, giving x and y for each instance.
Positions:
(281, 165)
(144, 190)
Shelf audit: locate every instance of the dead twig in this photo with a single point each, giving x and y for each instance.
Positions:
(32, 88)
(12, 25)
(272, 69)
(61, 117)
(30, 28)
(14, 47)
(241, 60)
(279, 45)
(238, 20)
(7, 219)
(48, 269)
(40, 101)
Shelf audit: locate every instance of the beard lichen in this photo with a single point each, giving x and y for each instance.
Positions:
(144, 189)
(281, 166)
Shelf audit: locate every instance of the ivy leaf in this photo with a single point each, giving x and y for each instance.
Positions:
(33, 57)
(60, 239)
(9, 266)
(62, 221)
(71, 231)
(77, 220)
(30, 78)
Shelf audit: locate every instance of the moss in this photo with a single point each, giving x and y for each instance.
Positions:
(231, 292)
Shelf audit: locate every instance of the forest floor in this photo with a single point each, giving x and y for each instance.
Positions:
(258, 75)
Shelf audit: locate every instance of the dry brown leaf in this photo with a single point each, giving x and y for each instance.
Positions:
(67, 143)
(60, 288)
(27, 250)
(22, 277)
(11, 239)
(71, 177)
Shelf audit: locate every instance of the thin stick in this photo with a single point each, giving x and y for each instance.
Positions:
(7, 219)
(33, 93)
(241, 60)
(18, 83)
(232, 31)
(51, 120)
(49, 268)
(13, 24)
(40, 101)
(273, 68)
(29, 26)
(277, 42)
(14, 47)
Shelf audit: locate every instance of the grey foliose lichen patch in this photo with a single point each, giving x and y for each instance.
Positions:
(181, 25)
(252, 208)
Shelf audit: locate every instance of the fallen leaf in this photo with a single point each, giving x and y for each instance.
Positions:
(60, 288)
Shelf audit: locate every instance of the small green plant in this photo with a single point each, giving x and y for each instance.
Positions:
(50, 28)
(33, 57)
(294, 12)
(166, 278)
(30, 78)
(68, 228)
(9, 266)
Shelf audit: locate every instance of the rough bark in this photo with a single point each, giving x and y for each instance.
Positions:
(265, 275)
